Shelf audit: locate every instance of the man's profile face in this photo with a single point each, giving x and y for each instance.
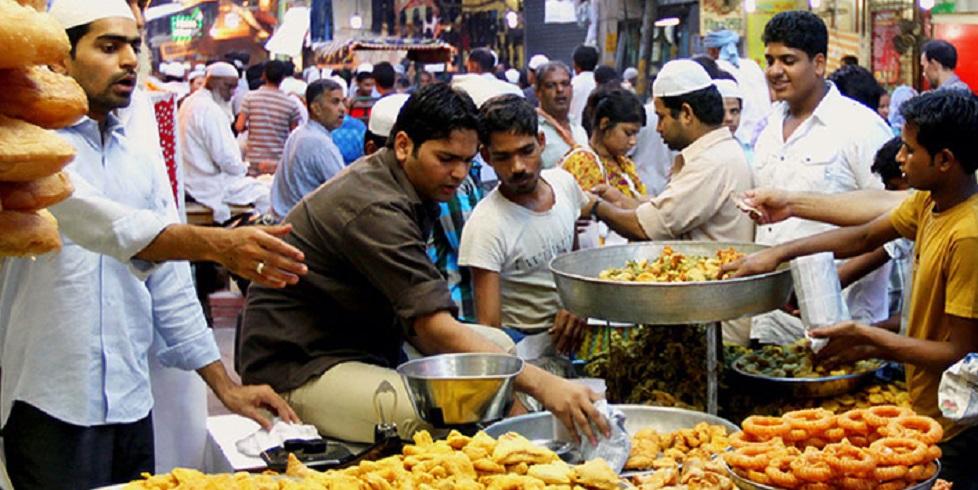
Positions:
(671, 128)
(791, 74)
(516, 160)
(555, 92)
(731, 113)
(931, 69)
(330, 109)
(224, 87)
(437, 168)
(916, 163)
(105, 64)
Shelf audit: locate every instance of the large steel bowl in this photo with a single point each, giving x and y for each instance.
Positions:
(823, 387)
(745, 484)
(583, 294)
(461, 389)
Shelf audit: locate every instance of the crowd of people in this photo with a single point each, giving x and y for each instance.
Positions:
(418, 220)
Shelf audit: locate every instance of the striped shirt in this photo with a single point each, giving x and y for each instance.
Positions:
(270, 114)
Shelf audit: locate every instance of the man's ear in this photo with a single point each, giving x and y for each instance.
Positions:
(484, 151)
(820, 66)
(686, 114)
(542, 139)
(944, 160)
(403, 146)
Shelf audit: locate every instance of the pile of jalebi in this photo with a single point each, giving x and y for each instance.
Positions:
(885, 447)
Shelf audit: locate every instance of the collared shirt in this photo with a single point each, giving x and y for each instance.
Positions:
(310, 158)
(830, 152)
(554, 146)
(76, 326)
(954, 83)
(583, 83)
(364, 235)
(696, 203)
(271, 114)
(349, 139)
(444, 243)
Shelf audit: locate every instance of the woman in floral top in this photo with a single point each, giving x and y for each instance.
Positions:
(612, 119)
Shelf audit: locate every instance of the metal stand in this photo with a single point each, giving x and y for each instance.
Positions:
(712, 368)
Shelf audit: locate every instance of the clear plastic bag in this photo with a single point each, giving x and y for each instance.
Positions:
(957, 395)
(819, 294)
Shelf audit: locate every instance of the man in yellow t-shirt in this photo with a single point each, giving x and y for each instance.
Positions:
(939, 160)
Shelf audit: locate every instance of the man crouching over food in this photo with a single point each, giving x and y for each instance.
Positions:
(327, 343)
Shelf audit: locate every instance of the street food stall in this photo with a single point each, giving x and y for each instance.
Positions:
(340, 54)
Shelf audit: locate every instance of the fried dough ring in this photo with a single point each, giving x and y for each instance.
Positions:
(766, 427)
(811, 467)
(28, 152)
(899, 451)
(924, 429)
(922, 472)
(882, 415)
(850, 483)
(30, 37)
(42, 97)
(753, 457)
(759, 477)
(35, 194)
(854, 422)
(847, 459)
(780, 473)
(893, 485)
(813, 420)
(28, 233)
(890, 472)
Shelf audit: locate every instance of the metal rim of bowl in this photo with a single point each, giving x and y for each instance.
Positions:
(521, 366)
(741, 482)
(790, 381)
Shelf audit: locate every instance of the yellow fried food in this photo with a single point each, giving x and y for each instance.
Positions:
(35, 194)
(28, 152)
(28, 233)
(39, 5)
(42, 97)
(596, 474)
(672, 266)
(30, 37)
(651, 449)
(513, 448)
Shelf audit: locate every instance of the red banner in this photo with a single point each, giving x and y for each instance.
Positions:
(886, 60)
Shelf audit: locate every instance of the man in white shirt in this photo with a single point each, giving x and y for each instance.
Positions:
(518, 227)
(216, 174)
(721, 45)
(815, 140)
(585, 60)
(561, 133)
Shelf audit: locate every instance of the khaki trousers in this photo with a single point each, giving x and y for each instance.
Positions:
(340, 402)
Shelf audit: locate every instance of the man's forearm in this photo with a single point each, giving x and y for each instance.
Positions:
(185, 242)
(842, 242)
(846, 209)
(622, 221)
(929, 354)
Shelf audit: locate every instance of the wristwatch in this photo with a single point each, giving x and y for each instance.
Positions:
(594, 210)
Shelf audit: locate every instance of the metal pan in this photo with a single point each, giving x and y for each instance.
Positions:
(582, 293)
(825, 387)
(745, 484)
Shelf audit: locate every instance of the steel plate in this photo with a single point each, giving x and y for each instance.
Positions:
(745, 484)
(582, 293)
(824, 387)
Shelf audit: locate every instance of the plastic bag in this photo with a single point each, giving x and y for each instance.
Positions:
(819, 294)
(957, 394)
(614, 449)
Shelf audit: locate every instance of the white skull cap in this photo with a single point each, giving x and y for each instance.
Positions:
(74, 13)
(729, 89)
(537, 60)
(384, 114)
(679, 77)
(222, 69)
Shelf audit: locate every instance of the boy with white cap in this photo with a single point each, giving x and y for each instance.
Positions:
(77, 328)
(733, 106)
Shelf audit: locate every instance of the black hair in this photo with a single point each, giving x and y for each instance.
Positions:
(74, 36)
(545, 69)
(385, 75)
(319, 87)
(275, 71)
(484, 58)
(858, 84)
(798, 29)
(507, 113)
(942, 52)
(724, 75)
(433, 112)
(606, 75)
(378, 140)
(709, 64)
(707, 105)
(585, 57)
(885, 163)
(403, 82)
(253, 75)
(946, 119)
(850, 60)
(616, 104)
(363, 75)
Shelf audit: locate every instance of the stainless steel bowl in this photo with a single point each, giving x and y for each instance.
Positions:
(807, 387)
(460, 389)
(745, 484)
(582, 293)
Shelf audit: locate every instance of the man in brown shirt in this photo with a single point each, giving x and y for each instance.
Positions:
(329, 341)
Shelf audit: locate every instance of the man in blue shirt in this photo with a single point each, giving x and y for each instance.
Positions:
(76, 327)
(310, 157)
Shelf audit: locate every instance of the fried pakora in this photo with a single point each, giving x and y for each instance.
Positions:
(42, 97)
(28, 233)
(35, 194)
(672, 266)
(30, 37)
(28, 152)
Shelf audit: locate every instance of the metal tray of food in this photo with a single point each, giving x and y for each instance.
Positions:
(745, 484)
(823, 387)
(582, 293)
(543, 426)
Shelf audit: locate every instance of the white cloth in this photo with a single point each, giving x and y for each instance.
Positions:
(281, 431)
(215, 171)
(582, 83)
(830, 152)
(518, 243)
(696, 203)
(653, 158)
(554, 146)
(757, 99)
(179, 88)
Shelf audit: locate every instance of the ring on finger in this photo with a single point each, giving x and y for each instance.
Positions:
(260, 268)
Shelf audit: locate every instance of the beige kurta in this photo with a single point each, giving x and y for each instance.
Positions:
(696, 203)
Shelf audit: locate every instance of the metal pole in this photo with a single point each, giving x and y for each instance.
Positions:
(712, 368)
(645, 48)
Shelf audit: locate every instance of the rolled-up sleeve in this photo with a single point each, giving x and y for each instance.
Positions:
(179, 319)
(688, 201)
(389, 250)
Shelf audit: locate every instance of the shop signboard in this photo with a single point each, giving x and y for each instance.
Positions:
(756, 22)
(721, 14)
(886, 59)
(185, 27)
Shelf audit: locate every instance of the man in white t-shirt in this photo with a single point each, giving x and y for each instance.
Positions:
(519, 226)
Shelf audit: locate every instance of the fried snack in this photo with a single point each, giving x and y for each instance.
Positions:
(39, 5)
(796, 361)
(30, 37)
(558, 473)
(596, 474)
(651, 449)
(28, 233)
(513, 448)
(42, 97)
(35, 194)
(672, 266)
(28, 152)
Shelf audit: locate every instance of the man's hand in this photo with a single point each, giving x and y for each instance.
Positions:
(245, 248)
(248, 400)
(573, 404)
(614, 196)
(848, 342)
(568, 332)
(771, 203)
(756, 263)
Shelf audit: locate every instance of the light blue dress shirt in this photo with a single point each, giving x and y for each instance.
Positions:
(76, 326)
(309, 159)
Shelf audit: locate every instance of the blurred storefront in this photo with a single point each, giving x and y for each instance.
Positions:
(197, 31)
